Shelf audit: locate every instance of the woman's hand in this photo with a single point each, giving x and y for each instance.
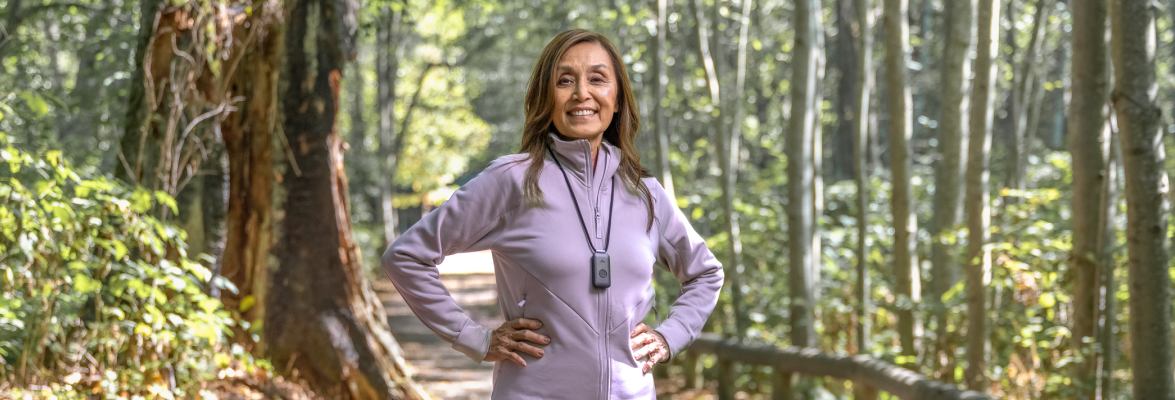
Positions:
(508, 338)
(647, 342)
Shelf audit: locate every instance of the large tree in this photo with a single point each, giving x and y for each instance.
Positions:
(897, 57)
(948, 171)
(1088, 140)
(323, 320)
(1139, 122)
(807, 54)
(977, 203)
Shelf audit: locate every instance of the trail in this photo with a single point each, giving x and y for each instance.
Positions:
(443, 372)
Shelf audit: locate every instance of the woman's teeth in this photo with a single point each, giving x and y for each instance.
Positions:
(582, 112)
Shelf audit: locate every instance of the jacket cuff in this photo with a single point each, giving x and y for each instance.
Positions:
(676, 336)
(473, 341)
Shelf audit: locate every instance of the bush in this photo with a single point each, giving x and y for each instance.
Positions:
(96, 295)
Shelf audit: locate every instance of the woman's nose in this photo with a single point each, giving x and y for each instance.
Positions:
(581, 91)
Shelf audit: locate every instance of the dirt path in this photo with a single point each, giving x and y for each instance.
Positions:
(446, 373)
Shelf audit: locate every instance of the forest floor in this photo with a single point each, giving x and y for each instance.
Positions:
(443, 372)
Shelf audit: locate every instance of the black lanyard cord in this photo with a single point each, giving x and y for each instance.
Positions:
(582, 224)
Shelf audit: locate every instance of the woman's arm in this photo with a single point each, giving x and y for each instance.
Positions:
(469, 221)
(700, 273)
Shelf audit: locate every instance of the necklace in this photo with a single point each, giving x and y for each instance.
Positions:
(601, 265)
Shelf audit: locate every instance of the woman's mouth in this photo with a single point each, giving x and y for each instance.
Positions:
(582, 113)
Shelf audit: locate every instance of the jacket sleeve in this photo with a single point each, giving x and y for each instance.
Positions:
(469, 221)
(692, 263)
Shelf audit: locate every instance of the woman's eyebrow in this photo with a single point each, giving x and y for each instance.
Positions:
(592, 68)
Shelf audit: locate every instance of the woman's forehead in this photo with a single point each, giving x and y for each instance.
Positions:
(587, 55)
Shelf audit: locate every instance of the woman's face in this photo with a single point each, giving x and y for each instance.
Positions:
(585, 92)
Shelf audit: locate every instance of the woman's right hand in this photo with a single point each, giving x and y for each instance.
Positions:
(508, 338)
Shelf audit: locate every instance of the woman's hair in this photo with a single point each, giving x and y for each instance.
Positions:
(540, 103)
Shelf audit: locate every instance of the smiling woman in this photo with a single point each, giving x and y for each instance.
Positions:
(573, 298)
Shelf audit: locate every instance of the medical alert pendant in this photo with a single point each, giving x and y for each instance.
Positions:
(601, 270)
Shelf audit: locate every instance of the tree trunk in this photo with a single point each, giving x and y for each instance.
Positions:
(948, 172)
(905, 264)
(136, 156)
(324, 323)
(863, 40)
(1088, 143)
(846, 62)
(977, 203)
(660, 130)
(800, 173)
(1025, 93)
(388, 61)
(1107, 237)
(248, 140)
(1139, 122)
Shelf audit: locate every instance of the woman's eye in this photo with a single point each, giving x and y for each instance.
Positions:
(565, 81)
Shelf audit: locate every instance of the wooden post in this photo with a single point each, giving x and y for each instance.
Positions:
(693, 371)
(726, 378)
(783, 388)
(862, 391)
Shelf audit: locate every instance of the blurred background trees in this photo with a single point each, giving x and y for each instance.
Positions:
(935, 183)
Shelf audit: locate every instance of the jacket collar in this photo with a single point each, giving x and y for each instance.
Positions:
(576, 158)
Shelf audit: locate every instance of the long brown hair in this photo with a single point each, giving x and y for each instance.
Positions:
(540, 103)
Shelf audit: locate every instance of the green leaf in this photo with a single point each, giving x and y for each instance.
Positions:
(85, 284)
(247, 303)
(35, 103)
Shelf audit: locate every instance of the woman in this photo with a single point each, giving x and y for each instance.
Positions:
(575, 226)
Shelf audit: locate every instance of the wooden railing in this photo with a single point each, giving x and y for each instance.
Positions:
(867, 373)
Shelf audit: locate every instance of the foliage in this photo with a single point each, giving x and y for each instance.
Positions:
(96, 294)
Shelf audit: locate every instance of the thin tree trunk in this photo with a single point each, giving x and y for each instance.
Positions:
(960, 24)
(248, 140)
(1089, 138)
(731, 165)
(977, 203)
(1025, 93)
(133, 152)
(1107, 238)
(323, 320)
(387, 37)
(863, 40)
(846, 62)
(905, 264)
(1139, 122)
(660, 80)
(800, 154)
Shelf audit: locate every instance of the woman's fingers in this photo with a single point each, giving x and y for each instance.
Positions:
(531, 336)
(640, 328)
(641, 340)
(517, 359)
(524, 323)
(528, 349)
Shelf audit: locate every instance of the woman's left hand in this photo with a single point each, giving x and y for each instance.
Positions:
(647, 342)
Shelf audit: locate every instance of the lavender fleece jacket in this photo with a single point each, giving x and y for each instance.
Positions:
(541, 261)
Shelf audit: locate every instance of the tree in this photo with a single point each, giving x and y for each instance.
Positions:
(977, 202)
(863, 35)
(660, 80)
(1134, 97)
(1026, 88)
(323, 319)
(1088, 142)
(387, 62)
(897, 56)
(948, 171)
(800, 172)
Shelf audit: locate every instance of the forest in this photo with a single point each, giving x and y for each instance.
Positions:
(970, 196)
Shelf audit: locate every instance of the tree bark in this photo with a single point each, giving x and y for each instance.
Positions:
(905, 264)
(801, 174)
(1133, 25)
(660, 79)
(1025, 93)
(863, 40)
(386, 66)
(324, 323)
(960, 24)
(248, 140)
(847, 61)
(1089, 138)
(977, 201)
(1107, 237)
(133, 151)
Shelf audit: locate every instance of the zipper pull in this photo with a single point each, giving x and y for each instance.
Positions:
(599, 234)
